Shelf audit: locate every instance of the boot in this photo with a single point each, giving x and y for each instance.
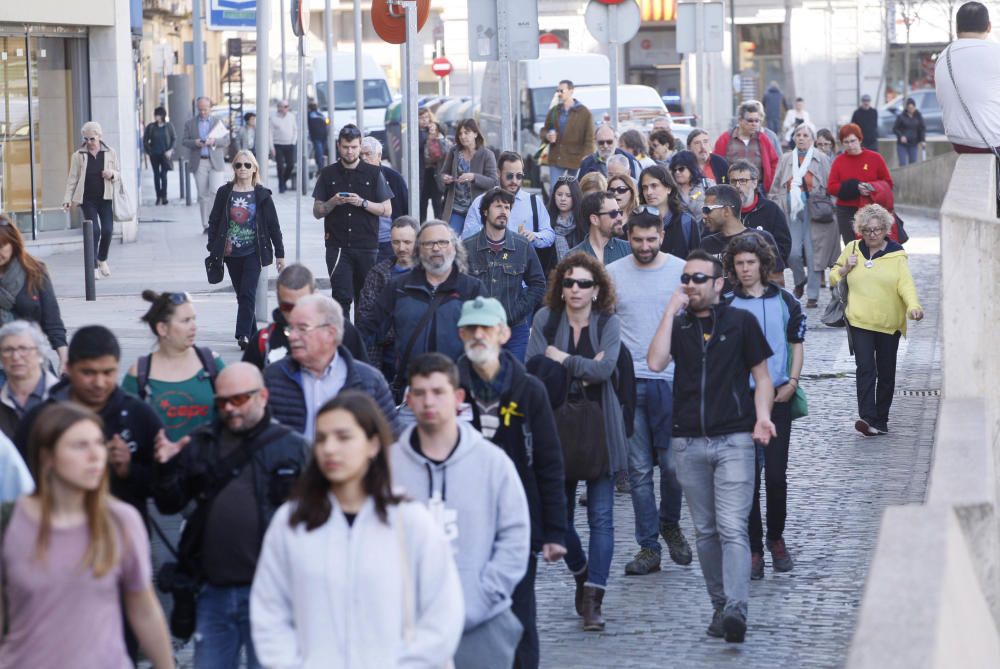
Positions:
(580, 579)
(592, 599)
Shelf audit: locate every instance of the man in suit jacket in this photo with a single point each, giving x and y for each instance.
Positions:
(206, 157)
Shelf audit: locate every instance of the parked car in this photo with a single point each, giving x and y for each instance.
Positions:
(927, 104)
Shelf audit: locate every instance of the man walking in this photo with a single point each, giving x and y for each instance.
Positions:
(317, 123)
(717, 419)
(757, 211)
(866, 118)
(371, 153)
(238, 470)
(601, 211)
(508, 266)
(569, 130)
(511, 408)
(606, 138)
(747, 142)
(284, 138)
(722, 219)
(473, 490)
(640, 310)
(206, 146)
(714, 169)
(350, 195)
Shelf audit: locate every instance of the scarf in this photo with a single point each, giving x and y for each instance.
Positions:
(11, 284)
(796, 196)
(563, 228)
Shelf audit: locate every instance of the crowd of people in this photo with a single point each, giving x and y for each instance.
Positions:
(376, 479)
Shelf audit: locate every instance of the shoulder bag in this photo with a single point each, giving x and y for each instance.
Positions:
(820, 208)
(215, 269)
(835, 314)
(121, 202)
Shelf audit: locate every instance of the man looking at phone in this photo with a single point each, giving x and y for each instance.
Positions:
(350, 196)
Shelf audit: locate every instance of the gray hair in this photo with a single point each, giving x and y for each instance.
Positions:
(31, 329)
(751, 106)
(92, 126)
(745, 166)
(621, 161)
(371, 144)
(606, 126)
(461, 256)
(328, 309)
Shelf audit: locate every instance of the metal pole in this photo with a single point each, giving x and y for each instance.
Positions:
(197, 49)
(359, 76)
(284, 71)
(31, 139)
(187, 184)
(503, 44)
(331, 131)
(516, 101)
(300, 174)
(472, 84)
(262, 140)
(699, 47)
(90, 288)
(613, 59)
(410, 104)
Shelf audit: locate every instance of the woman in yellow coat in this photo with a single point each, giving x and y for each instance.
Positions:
(881, 295)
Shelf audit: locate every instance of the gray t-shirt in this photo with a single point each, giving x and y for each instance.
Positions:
(643, 294)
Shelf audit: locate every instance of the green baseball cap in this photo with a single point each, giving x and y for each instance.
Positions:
(485, 311)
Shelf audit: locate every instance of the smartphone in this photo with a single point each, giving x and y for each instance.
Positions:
(344, 194)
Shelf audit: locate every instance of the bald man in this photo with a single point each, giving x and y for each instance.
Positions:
(238, 470)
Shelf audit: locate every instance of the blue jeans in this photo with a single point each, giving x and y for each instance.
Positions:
(319, 154)
(600, 518)
(907, 153)
(244, 272)
(223, 627)
(717, 474)
(457, 223)
(517, 345)
(649, 445)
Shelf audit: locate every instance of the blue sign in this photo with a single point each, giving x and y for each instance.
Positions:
(232, 15)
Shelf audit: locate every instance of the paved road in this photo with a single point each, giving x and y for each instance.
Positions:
(839, 482)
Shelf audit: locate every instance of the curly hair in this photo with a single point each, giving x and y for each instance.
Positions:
(873, 212)
(750, 242)
(605, 297)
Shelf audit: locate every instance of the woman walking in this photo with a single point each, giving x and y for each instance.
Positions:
(434, 146)
(93, 169)
(243, 229)
(158, 141)
(350, 574)
(855, 173)
(564, 212)
(177, 378)
(26, 291)
(468, 171)
(659, 190)
(75, 558)
(585, 338)
(684, 168)
(882, 297)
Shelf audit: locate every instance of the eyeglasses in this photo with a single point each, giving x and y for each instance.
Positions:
(698, 277)
(248, 166)
(613, 214)
(621, 190)
(91, 139)
(434, 244)
(178, 298)
(303, 330)
(515, 176)
(582, 283)
(873, 231)
(708, 209)
(237, 400)
(605, 142)
(743, 181)
(11, 351)
(566, 178)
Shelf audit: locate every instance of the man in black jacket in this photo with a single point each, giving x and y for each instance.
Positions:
(757, 211)
(371, 153)
(511, 408)
(717, 419)
(239, 470)
(866, 118)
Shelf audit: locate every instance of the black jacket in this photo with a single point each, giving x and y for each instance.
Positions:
(41, 307)
(272, 338)
(867, 120)
(910, 127)
(712, 395)
(268, 228)
(720, 168)
(769, 217)
(400, 201)
(288, 403)
(529, 437)
(123, 414)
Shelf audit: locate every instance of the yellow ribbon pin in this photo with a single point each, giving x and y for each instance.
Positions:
(508, 411)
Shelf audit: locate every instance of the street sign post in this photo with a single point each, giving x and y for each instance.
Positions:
(263, 137)
(240, 15)
(613, 22)
(441, 66)
(700, 30)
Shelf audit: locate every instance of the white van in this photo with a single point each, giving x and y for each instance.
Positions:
(377, 94)
(638, 106)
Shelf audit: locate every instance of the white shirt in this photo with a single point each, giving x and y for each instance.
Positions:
(976, 64)
(520, 214)
(283, 129)
(318, 390)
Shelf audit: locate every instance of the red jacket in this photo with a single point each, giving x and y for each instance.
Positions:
(868, 166)
(768, 158)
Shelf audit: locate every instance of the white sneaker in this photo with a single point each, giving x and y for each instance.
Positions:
(103, 267)
(97, 274)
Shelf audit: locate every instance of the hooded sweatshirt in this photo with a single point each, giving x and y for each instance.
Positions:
(783, 322)
(480, 503)
(880, 296)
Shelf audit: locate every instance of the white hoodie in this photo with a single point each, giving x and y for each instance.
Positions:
(335, 597)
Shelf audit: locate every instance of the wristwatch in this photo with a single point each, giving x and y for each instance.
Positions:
(364, 204)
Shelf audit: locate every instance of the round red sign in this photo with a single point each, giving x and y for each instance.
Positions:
(441, 66)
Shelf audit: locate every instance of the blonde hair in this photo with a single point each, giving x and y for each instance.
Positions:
(593, 182)
(252, 160)
(873, 212)
(633, 202)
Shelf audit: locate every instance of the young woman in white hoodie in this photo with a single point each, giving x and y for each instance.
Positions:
(351, 575)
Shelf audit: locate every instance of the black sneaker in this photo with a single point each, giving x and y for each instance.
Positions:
(645, 562)
(680, 550)
(243, 342)
(734, 625)
(780, 559)
(756, 566)
(715, 627)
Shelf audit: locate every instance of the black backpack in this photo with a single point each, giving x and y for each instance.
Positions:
(623, 379)
(142, 370)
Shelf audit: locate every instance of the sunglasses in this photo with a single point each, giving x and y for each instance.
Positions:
(91, 139)
(613, 214)
(516, 176)
(350, 133)
(582, 283)
(178, 298)
(248, 166)
(621, 190)
(708, 209)
(698, 277)
(566, 178)
(237, 400)
(679, 168)
(286, 307)
(605, 142)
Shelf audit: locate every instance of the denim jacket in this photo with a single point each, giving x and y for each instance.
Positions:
(514, 276)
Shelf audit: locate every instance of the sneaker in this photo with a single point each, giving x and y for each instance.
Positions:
(780, 559)
(680, 550)
(812, 304)
(864, 428)
(103, 266)
(756, 566)
(243, 342)
(715, 627)
(734, 625)
(97, 274)
(645, 561)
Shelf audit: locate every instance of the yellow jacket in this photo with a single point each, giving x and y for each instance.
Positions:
(878, 297)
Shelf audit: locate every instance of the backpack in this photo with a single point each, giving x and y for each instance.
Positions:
(623, 379)
(142, 370)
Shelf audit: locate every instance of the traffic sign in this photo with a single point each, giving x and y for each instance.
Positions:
(300, 17)
(441, 66)
(612, 23)
(712, 27)
(231, 15)
(389, 22)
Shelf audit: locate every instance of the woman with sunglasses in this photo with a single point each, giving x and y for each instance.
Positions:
(658, 190)
(93, 169)
(76, 561)
(243, 229)
(623, 190)
(350, 573)
(687, 174)
(178, 377)
(468, 171)
(564, 212)
(585, 339)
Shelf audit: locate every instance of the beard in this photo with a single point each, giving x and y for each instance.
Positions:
(480, 353)
(439, 264)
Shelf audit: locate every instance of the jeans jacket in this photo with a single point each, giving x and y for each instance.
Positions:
(514, 276)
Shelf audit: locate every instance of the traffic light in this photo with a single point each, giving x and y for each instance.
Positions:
(746, 54)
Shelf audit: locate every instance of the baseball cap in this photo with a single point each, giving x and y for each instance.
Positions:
(485, 311)
(866, 98)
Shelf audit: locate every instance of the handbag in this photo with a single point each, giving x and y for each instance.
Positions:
(121, 203)
(580, 424)
(215, 269)
(798, 404)
(820, 208)
(836, 310)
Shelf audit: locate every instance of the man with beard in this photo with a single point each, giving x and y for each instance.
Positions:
(714, 169)
(422, 307)
(716, 420)
(607, 145)
(722, 219)
(640, 310)
(511, 408)
(508, 266)
(601, 212)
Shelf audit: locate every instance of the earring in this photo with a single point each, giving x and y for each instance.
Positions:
(594, 298)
